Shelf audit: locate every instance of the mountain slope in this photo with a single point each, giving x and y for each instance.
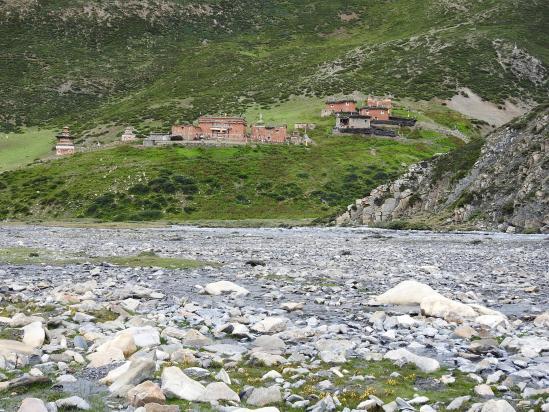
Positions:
(501, 183)
(152, 62)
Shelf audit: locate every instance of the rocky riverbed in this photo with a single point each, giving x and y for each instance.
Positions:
(317, 319)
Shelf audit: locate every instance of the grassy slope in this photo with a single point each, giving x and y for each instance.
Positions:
(19, 149)
(211, 183)
(172, 65)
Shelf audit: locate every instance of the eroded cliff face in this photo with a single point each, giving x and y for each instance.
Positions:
(499, 185)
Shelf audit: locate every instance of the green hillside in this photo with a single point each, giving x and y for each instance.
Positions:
(103, 63)
(99, 66)
(257, 182)
(19, 149)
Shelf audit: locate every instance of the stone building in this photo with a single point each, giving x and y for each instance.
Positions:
(352, 122)
(334, 106)
(128, 135)
(65, 143)
(157, 139)
(269, 134)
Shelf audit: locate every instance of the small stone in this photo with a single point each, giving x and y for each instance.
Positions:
(422, 362)
(73, 402)
(224, 286)
(458, 403)
(144, 393)
(484, 390)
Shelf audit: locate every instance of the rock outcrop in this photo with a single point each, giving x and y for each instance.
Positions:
(498, 185)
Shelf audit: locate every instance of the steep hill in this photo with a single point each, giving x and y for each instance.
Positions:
(497, 184)
(153, 62)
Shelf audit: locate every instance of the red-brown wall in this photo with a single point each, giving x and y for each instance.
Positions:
(375, 113)
(341, 107)
(276, 134)
(235, 126)
(187, 131)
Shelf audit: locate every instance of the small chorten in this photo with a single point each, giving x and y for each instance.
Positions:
(128, 135)
(65, 144)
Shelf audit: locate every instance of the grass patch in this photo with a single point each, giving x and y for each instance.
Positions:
(20, 149)
(202, 185)
(151, 260)
(31, 256)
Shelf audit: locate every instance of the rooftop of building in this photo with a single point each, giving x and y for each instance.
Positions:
(340, 100)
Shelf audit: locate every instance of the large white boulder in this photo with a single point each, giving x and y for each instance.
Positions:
(34, 334)
(408, 292)
(224, 286)
(441, 307)
(175, 384)
(32, 405)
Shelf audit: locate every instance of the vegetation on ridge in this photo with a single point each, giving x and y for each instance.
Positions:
(96, 63)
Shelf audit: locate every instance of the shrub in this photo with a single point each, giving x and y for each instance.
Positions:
(146, 215)
(139, 189)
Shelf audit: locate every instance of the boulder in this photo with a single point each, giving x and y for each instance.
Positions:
(542, 321)
(74, 402)
(105, 357)
(484, 391)
(405, 356)
(448, 309)
(219, 391)
(497, 405)
(267, 359)
(32, 405)
(144, 336)
(408, 292)
(34, 334)
(144, 393)
(458, 403)
(12, 346)
(114, 374)
(224, 286)
(156, 407)
(271, 324)
(139, 370)
(195, 339)
(264, 396)
(292, 306)
(334, 350)
(493, 321)
(267, 343)
(123, 342)
(175, 384)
